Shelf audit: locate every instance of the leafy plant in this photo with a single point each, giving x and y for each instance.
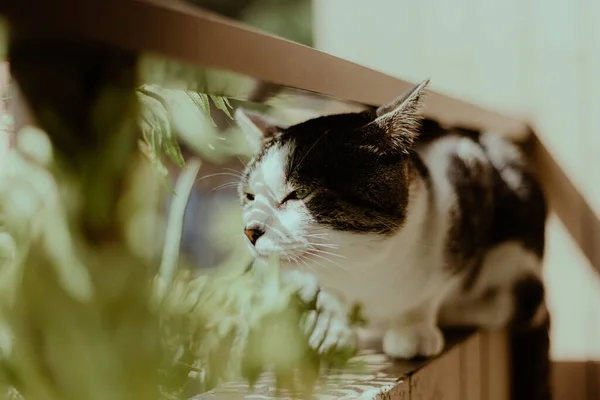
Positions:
(91, 305)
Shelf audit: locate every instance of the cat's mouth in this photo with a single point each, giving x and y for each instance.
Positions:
(312, 253)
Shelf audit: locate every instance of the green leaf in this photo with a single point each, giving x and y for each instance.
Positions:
(222, 104)
(201, 101)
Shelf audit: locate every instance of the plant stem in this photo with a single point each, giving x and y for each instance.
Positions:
(170, 255)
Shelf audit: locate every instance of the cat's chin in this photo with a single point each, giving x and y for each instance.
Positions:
(261, 256)
(285, 263)
(288, 258)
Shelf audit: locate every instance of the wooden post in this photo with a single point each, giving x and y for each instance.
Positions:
(84, 98)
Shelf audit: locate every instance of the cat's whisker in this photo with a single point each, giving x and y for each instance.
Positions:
(327, 259)
(301, 258)
(317, 262)
(326, 245)
(297, 259)
(224, 186)
(323, 241)
(303, 261)
(280, 234)
(317, 235)
(326, 252)
(241, 161)
(217, 174)
(238, 173)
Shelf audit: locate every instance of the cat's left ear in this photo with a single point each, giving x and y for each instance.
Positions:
(400, 120)
(257, 127)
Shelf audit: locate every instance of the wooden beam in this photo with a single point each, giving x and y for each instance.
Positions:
(183, 32)
(569, 204)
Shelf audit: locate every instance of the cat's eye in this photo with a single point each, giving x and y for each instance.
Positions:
(297, 194)
(248, 196)
(302, 193)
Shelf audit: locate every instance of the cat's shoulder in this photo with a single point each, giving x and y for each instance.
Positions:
(468, 153)
(451, 152)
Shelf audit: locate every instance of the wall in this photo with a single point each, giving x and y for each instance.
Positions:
(536, 59)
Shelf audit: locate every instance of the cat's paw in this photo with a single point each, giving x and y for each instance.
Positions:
(411, 341)
(305, 284)
(328, 332)
(328, 327)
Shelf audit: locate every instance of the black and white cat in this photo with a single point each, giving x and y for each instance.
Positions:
(425, 226)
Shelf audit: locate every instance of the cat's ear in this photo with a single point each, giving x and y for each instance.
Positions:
(257, 127)
(399, 121)
(408, 103)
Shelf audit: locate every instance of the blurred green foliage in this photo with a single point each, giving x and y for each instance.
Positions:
(114, 317)
(290, 19)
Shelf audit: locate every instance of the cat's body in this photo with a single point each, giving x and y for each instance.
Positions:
(445, 266)
(445, 229)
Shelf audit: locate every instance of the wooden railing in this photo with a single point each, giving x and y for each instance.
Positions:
(200, 51)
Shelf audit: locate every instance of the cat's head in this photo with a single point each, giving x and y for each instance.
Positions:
(344, 174)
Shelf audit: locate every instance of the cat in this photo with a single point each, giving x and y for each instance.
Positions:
(426, 226)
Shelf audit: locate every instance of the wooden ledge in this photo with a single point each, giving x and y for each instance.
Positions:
(473, 367)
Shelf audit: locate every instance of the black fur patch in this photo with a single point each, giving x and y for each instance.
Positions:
(528, 293)
(472, 217)
(354, 188)
(521, 218)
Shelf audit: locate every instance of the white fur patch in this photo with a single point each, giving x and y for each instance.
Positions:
(284, 225)
(470, 152)
(408, 341)
(504, 155)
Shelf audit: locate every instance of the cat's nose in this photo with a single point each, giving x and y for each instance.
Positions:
(253, 234)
